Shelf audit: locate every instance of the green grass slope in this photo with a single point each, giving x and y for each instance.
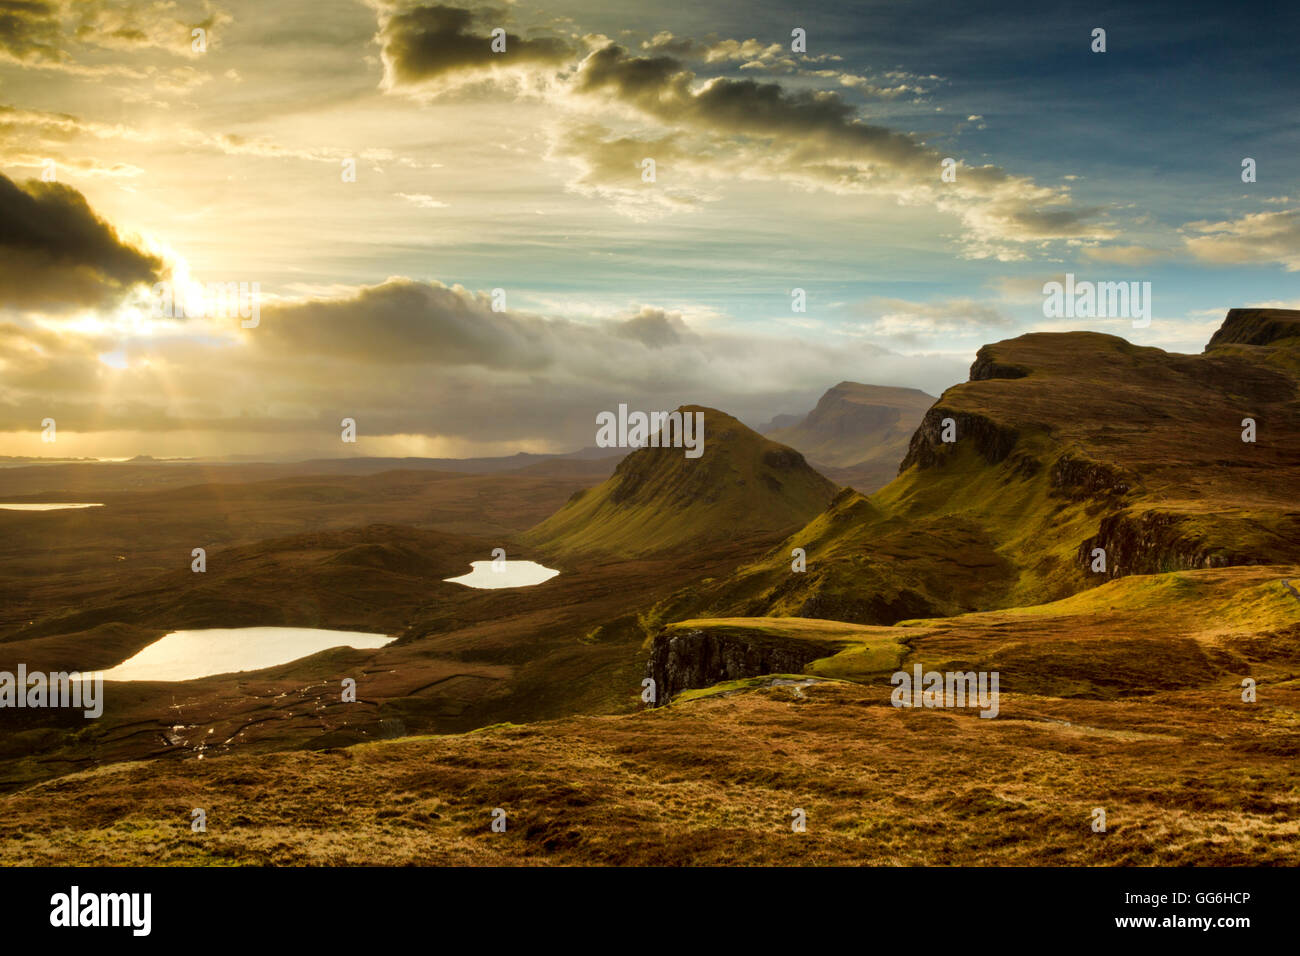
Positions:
(1065, 442)
(659, 499)
(1137, 635)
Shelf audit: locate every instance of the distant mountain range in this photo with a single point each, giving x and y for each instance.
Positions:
(857, 434)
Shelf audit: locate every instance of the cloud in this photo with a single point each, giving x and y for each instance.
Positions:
(816, 138)
(422, 360)
(1258, 238)
(654, 328)
(56, 253)
(52, 34)
(1125, 255)
(744, 50)
(25, 130)
(29, 29)
(869, 87)
(147, 24)
(721, 128)
(441, 45)
(404, 321)
(422, 200)
(610, 167)
(908, 323)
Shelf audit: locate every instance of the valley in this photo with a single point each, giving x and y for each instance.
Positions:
(1162, 688)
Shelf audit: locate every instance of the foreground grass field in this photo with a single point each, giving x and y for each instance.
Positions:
(1187, 778)
(1186, 771)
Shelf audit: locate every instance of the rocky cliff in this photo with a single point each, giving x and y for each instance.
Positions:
(682, 658)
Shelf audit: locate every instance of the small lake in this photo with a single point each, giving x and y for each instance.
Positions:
(186, 655)
(50, 506)
(504, 574)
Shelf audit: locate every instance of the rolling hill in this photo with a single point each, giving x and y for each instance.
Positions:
(658, 499)
(1120, 688)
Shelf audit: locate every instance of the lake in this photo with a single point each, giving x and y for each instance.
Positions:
(506, 574)
(50, 506)
(186, 655)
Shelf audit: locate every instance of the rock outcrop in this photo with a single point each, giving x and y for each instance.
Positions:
(1256, 327)
(686, 658)
(927, 449)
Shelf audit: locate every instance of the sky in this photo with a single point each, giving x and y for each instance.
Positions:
(502, 266)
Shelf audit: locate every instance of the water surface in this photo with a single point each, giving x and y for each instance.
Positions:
(504, 574)
(51, 506)
(185, 655)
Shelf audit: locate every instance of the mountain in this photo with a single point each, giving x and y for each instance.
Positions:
(858, 433)
(1064, 443)
(779, 422)
(1256, 327)
(658, 498)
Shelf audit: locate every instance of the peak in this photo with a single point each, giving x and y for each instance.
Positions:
(723, 438)
(881, 394)
(1051, 353)
(659, 497)
(1256, 327)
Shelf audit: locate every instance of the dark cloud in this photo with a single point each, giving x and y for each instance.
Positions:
(429, 42)
(817, 137)
(662, 86)
(403, 321)
(654, 328)
(55, 252)
(641, 79)
(29, 29)
(407, 322)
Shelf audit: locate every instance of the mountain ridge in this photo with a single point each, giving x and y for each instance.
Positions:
(1064, 443)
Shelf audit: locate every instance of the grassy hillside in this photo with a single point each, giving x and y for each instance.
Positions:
(1065, 442)
(1130, 636)
(1150, 725)
(659, 499)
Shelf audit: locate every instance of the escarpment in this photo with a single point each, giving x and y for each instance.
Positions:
(1058, 445)
(1085, 478)
(692, 657)
(1155, 542)
(1256, 327)
(928, 448)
